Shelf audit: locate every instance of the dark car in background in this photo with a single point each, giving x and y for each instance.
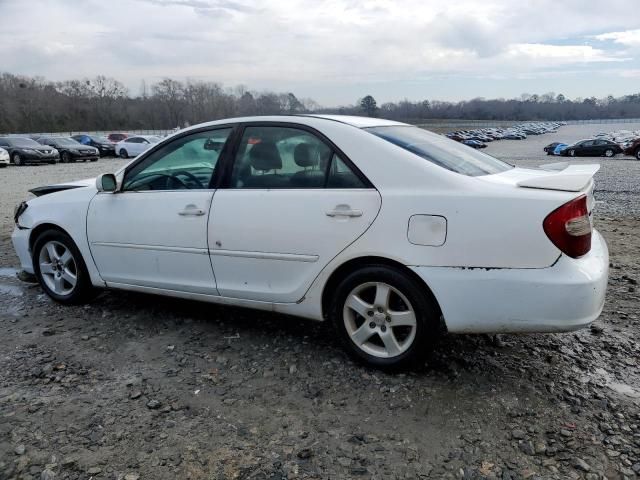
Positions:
(592, 148)
(549, 149)
(24, 150)
(474, 144)
(633, 148)
(104, 146)
(71, 150)
(117, 137)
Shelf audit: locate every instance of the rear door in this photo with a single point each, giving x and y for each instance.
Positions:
(292, 201)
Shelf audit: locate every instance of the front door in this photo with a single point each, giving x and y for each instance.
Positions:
(153, 232)
(291, 204)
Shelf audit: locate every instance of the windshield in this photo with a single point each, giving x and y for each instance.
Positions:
(68, 142)
(100, 139)
(153, 139)
(440, 150)
(23, 142)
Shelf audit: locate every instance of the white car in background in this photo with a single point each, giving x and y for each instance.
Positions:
(391, 232)
(4, 158)
(135, 145)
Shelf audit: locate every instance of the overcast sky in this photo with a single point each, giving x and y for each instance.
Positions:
(335, 51)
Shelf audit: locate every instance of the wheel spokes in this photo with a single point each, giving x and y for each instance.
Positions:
(46, 268)
(362, 334)
(70, 277)
(58, 283)
(402, 319)
(391, 344)
(358, 305)
(382, 295)
(51, 251)
(66, 257)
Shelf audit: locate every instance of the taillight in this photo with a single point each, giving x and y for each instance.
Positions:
(569, 227)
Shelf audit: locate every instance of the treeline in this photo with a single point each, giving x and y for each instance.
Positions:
(33, 104)
(528, 107)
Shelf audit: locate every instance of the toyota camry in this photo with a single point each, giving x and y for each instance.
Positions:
(390, 232)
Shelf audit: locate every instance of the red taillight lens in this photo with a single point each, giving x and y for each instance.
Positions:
(569, 227)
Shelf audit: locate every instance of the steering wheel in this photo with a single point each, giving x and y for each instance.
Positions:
(189, 175)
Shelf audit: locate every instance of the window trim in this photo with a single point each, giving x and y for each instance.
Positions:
(226, 169)
(212, 182)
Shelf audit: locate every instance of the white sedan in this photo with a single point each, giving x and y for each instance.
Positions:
(4, 158)
(391, 232)
(134, 146)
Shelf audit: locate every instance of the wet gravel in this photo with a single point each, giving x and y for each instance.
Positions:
(134, 387)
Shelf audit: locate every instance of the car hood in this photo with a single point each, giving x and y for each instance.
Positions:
(59, 187)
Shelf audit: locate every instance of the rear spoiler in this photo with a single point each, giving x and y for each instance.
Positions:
(568, 178)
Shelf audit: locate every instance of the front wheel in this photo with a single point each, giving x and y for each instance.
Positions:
(572, 153)
(66, 158)
(609, 153)
(124, 154)
(638, 154)
(17, 160)
(60, 269)
(385, 318)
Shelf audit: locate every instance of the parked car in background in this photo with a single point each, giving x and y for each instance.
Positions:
(474, 144)
(70, 150)
(104, 146)
(368, 223)
(560, 148)
(633, 148)
(134, 146)
(23, 150)
(117, 137)
(550, 149)
(592, 148)
(4, 158)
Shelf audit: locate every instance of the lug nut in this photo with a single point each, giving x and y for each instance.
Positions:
(372, 325)
(387, 318)
(383, 328)
(380, 310)
(370, 313)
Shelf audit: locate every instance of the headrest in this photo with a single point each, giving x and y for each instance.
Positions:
(264, 156)
(303, 156)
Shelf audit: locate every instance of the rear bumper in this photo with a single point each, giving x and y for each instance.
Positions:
(566, 296)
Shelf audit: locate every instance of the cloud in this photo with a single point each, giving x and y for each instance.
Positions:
(312, 46)
(630, 38)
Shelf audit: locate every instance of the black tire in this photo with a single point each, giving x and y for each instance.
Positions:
(637, 155)
(83, 290)
(17, 161)
(426, 312)
(123, 153)
(3, 165)
(93, 160)
(609, 153)
(65, 157)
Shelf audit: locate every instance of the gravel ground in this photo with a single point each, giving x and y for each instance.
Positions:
(134, 386)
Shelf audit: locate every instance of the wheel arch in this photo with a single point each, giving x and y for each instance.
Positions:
(43, 227)
(354, 264)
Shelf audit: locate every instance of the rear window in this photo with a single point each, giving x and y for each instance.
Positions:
(440, 150)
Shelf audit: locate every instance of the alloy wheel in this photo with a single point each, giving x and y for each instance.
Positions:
(58, 268)
(608, 153)
(17, 160)
(379, 320)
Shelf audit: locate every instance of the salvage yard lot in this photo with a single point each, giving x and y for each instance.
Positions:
(161, 388)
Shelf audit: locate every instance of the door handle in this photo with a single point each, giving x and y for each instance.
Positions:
(192, 212)
(344, 213)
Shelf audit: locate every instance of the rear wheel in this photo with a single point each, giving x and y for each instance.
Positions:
(384, 318)
(123, 153)
(609, 153)
(638, 154)
(60, 269)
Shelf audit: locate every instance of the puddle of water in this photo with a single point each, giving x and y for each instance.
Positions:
(11, 290)
(618, 387)
(8, 272)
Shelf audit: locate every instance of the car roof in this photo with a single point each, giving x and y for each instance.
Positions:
(311, 119)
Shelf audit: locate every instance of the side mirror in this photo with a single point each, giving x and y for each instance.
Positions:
(106, 182)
